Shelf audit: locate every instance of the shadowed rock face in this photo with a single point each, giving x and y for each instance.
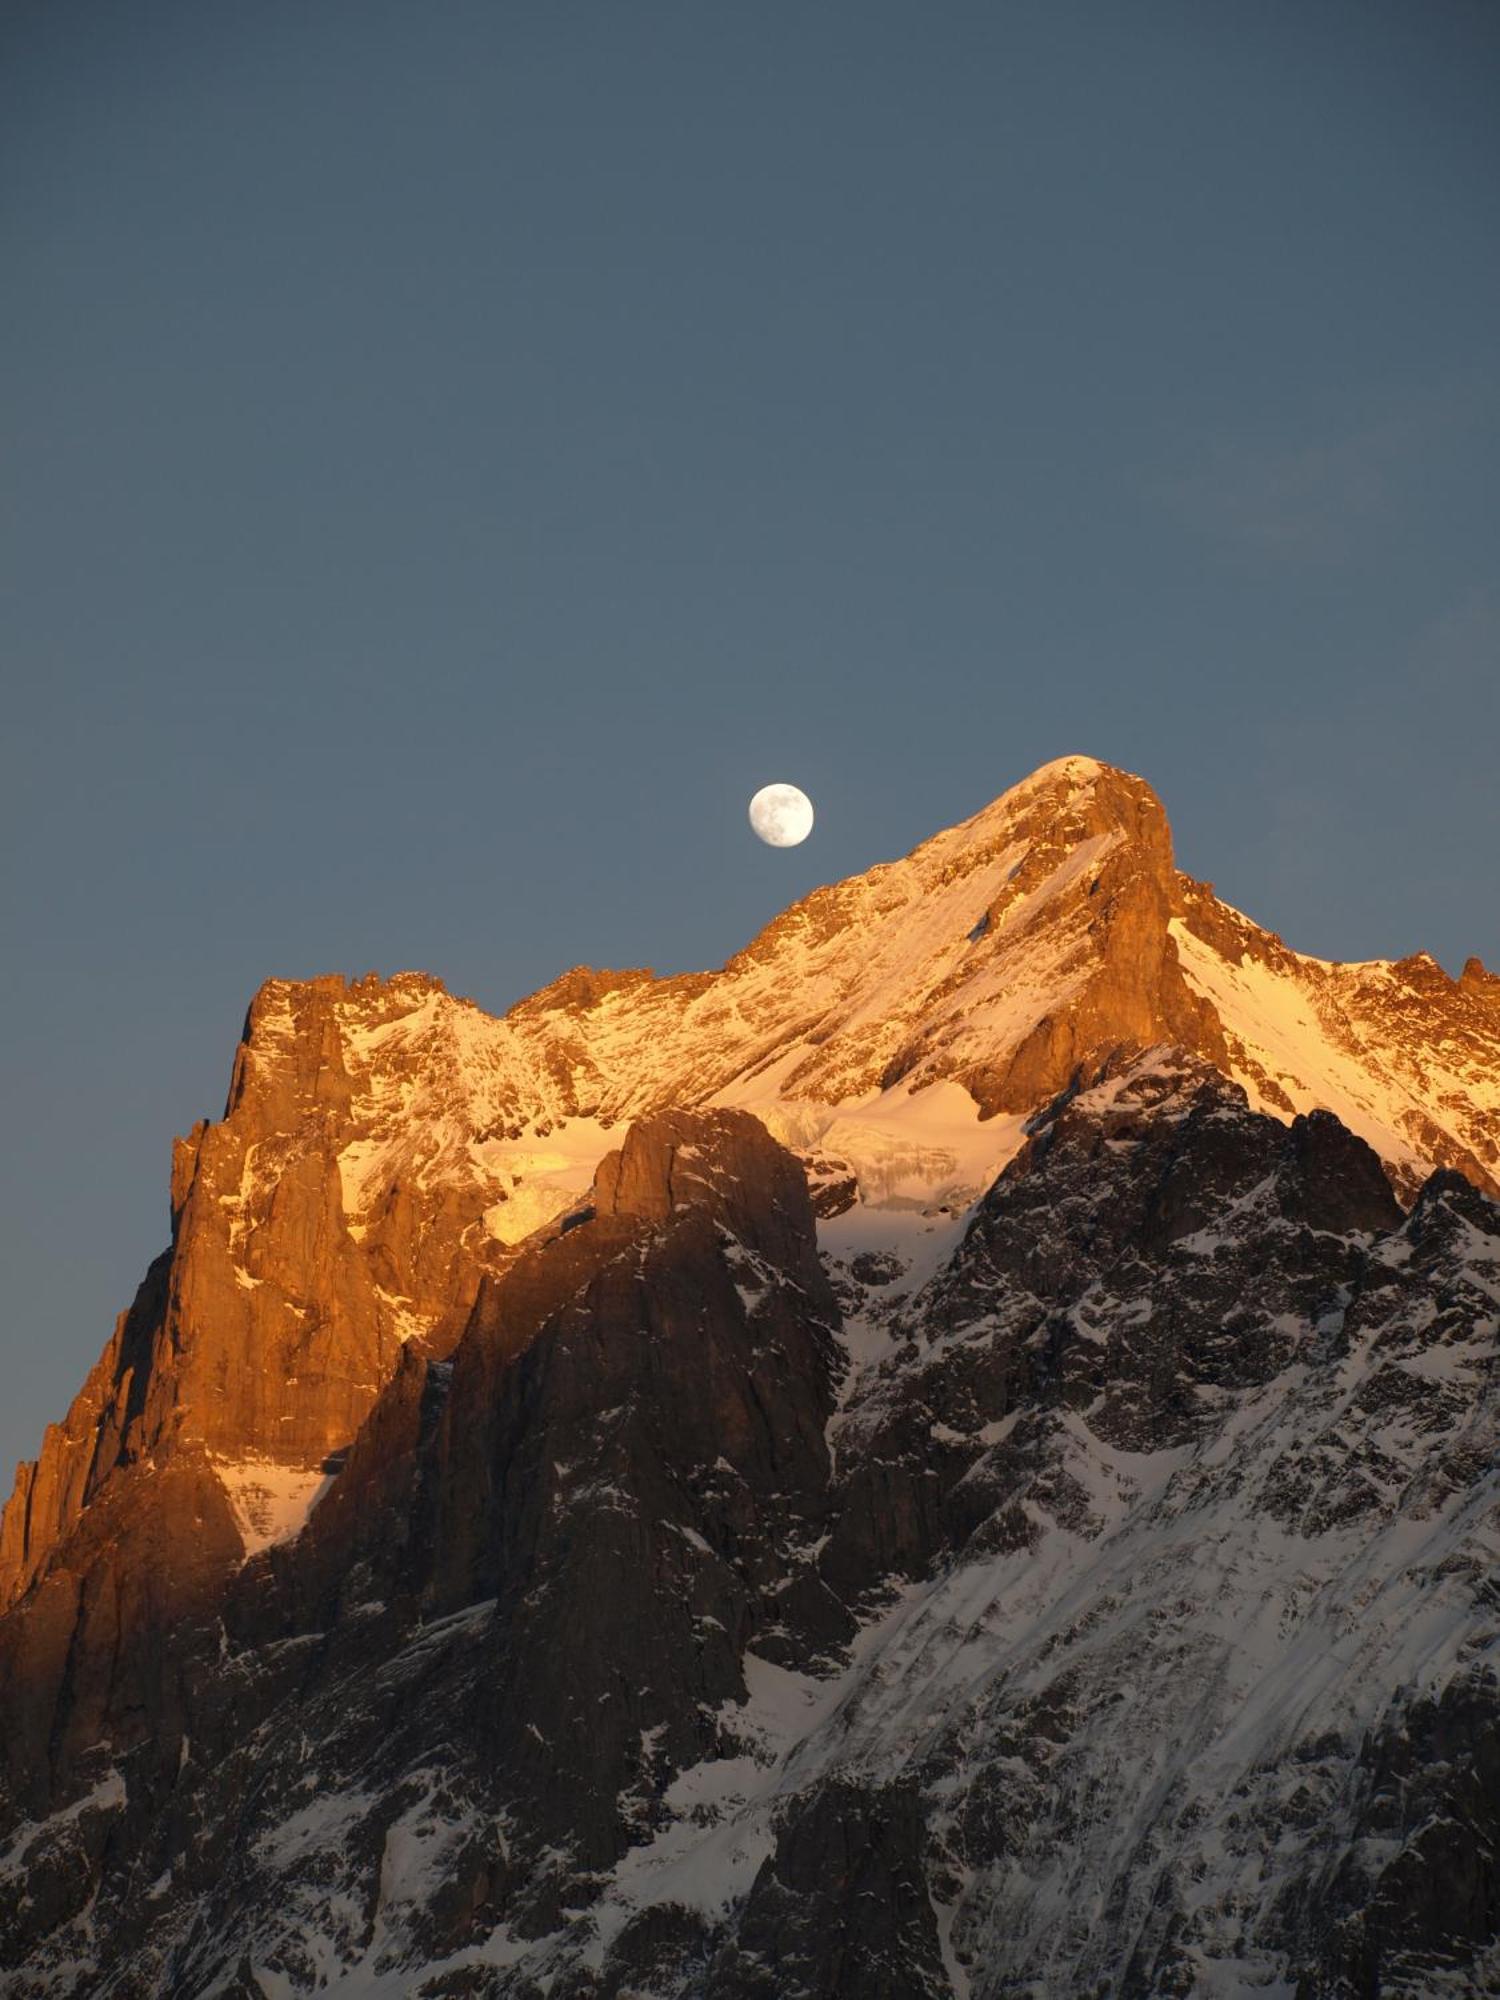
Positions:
(621, 1469)
(1155, 1246)
(725, 1165)
(1428, 1787)
(630, 1653)
(854, 1854)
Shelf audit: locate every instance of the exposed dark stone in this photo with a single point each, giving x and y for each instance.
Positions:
(527, 1603)
(1414, 1895)
(842, 1910)
(1334, 1181)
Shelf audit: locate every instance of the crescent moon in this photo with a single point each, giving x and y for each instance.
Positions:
(781, 815)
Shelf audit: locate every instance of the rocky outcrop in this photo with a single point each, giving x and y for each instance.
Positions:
(51, 1492)
(1412, 1902)
(1132, 994)
(611, 1489)
(265, 1332)
(842, 1906)
(1154, 1247)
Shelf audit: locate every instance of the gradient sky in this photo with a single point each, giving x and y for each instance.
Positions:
(450, 455)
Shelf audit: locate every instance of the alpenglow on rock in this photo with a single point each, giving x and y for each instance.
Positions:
(953, 1456)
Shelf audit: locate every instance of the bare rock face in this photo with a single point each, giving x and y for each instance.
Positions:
(1151, 1250)
(854, 1853)
(82, 1654)
(1131, 994)
(698, 1255)
(725, 1164)
(51, 1492)
(265, 1333)
(615, 1484)
(254, 1351)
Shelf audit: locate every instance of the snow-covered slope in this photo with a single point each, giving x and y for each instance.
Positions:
(923, 970)
(1002, 956)
(1404, 1055)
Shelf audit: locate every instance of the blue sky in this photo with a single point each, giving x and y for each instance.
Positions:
(450, 456)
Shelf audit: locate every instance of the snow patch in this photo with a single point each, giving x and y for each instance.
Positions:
(270, 1502)
(106, 1796)
(1301, 1029)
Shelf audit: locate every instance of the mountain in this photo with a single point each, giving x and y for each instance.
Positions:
(953, 1456)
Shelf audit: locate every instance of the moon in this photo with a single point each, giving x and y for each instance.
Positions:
(781, 815)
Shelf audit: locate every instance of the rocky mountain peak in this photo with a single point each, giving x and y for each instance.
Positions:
(944, 1416)
(386, 1144)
